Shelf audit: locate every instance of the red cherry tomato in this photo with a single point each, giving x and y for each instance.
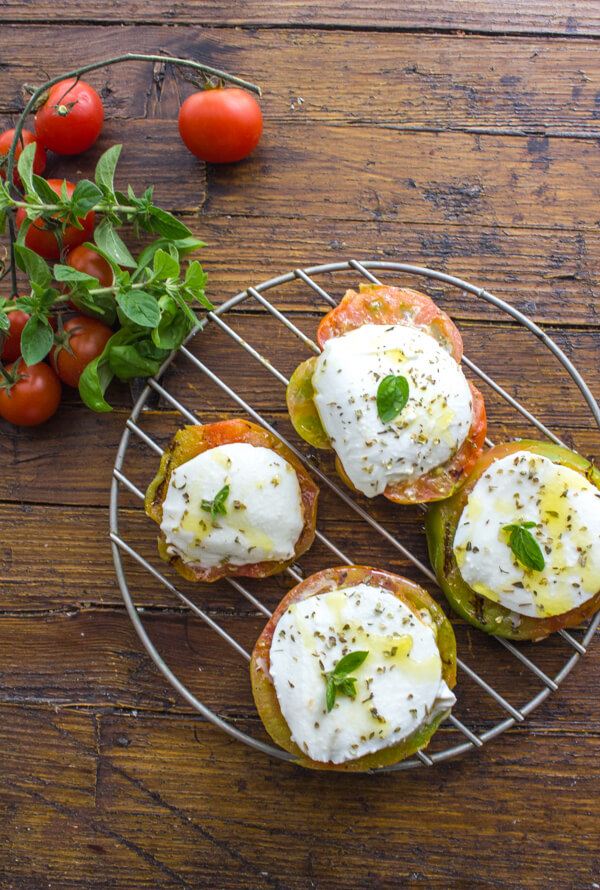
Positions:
(33, 398)
(220, 126)
(27, 137)
(11, 346)
(43, 241)
(84, 341)
(71, 118)
(84, 259)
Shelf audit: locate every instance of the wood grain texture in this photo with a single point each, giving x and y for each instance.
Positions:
(143, 827)
(519, 16)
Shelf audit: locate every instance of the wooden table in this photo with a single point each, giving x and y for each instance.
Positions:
(462, 136)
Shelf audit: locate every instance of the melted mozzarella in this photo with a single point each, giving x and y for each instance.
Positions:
(399, 686)
(524, 487)
(428, 431)
(263, 518)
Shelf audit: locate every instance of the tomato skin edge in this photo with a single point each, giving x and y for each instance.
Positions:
(441, 522)
(191, 441)
(265, 697)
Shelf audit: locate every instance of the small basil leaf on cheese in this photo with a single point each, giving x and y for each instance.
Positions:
(338, 679)
(392, 396)
(217, 505)
(524, 545)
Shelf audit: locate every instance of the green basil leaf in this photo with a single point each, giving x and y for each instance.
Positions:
(330, 694)
(346, 686)
(100, 306)
(37, 340)
(25, 167)
(33, 265)
(139, 307)
(165, 266)
(349, 663)
(93, 384)
(68, 273)
(111, 245)
(85, 196)
(4, 321)
(45, 191)
(166, 224)
(174, 326)
(525, 547)
(105, 168)
(136, 360)
(392, 396)
(217, 505)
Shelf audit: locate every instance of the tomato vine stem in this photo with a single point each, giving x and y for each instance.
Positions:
(77, 73)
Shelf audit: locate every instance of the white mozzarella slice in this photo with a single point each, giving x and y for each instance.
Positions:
(399, 686)
(262, 518)
(425, 434)
(565, 507)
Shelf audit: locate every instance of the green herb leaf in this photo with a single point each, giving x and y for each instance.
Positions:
(217, 505)
(349, 663)
(165, 266)
(330, 694)
(164, 223)
(45, 191)
(25, 166)
(105, 168)
(338, 679)
(68, 273)
(33, 265)
(392, 396)
(347, 686)
(524, 545)
(112, 246)
(85, 196)
(4, 320)
(37, 340)
(139, 307)
(173, 327)
(141, 359)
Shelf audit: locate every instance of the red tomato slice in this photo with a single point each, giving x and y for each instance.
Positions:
(441, 523)
(375, 304)
(263, 689)
(193, 440)
(385, 306)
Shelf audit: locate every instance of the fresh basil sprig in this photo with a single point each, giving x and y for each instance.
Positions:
(338, 679)
(392, 396)
(524, 545)
(154, 299)
(217, 505)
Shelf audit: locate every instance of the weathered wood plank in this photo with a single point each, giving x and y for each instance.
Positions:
(578, 18)
(443, 178)
(94, 659)
(532, 85)
(147, 828)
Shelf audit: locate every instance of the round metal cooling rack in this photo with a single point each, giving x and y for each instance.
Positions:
(466, 738)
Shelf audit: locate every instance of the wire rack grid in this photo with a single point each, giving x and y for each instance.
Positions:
(470, 737)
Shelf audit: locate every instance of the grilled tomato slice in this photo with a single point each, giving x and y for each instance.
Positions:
(516, 549)
(231, 499)
(424, 450)
(354, 670)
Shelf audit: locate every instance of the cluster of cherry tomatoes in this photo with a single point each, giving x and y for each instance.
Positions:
(217, 125)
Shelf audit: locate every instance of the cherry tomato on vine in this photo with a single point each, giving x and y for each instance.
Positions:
(43, 241)
(71, 118)
(31, 395)
(82, 340)
(220, 125)
(27, 137)
(84, 259)
(11, 345)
